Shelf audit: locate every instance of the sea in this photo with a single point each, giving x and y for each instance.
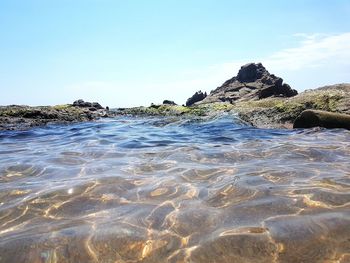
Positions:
(173, 189)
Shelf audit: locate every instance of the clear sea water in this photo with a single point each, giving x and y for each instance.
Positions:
(174, 190)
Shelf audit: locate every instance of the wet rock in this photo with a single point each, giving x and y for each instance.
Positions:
(16, 117)
(169, 102)
(316, 118)
(198, 96)
(253, 82)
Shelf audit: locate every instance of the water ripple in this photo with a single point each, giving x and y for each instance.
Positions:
(174, 190)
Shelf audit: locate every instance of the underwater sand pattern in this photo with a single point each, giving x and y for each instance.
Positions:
(174, 190)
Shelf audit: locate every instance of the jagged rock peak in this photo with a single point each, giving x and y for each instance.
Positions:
(198, 96)
(251, 72)
(253, 82)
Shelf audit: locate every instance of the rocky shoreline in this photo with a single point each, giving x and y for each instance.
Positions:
(256, 96)
(21, 117)
(272, 112)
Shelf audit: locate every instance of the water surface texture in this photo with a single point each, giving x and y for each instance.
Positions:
(174, 190)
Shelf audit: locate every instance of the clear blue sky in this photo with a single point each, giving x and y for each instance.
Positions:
(129, 53)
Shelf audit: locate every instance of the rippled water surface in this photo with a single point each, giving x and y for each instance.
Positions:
(172, 190)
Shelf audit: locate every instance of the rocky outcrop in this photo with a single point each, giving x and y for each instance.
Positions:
(84, 104)
(17, 117)
(198, 96)
(281, 112)
(169, 102)
(253, 82)
(317, 118)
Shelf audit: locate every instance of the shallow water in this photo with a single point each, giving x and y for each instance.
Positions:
(174, 190)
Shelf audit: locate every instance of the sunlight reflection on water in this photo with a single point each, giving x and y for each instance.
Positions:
(174, 190)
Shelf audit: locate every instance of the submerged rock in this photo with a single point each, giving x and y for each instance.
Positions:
(253, 82)
(317, 118)
(198, 96)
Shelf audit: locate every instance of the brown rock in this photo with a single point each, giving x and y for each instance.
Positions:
(253, 82)
(317, 118)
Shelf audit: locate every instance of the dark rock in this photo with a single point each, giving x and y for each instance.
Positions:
(169, 102)
(82, 104)
(97, 106)
(85, 104)
(107, 108)
(253, 82)
(154, 106)
(317, 118)
(250, 72)
(198, 96)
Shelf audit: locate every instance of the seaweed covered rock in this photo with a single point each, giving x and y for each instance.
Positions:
(317, 118)
(276, 112)
(18, 117)
(198, 96)
(253, 82)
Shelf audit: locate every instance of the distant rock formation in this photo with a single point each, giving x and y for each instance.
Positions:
(84, 104)
(253, 82)
(169, 102)
(198, 96)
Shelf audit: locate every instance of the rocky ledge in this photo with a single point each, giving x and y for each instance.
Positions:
(259, 98)
(22, 117)
(282, 112)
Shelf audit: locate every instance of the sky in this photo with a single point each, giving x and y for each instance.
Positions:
(132, 53)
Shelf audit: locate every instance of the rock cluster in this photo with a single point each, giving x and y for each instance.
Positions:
(198, 96)
(169, 102)
(253, 82)
(84, 104)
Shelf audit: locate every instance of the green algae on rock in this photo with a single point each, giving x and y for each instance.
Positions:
(22, 117)
(273, 112)
(281, 112)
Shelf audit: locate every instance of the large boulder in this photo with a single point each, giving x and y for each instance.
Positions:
(317, 118)
(198, 96)
(253, 82)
